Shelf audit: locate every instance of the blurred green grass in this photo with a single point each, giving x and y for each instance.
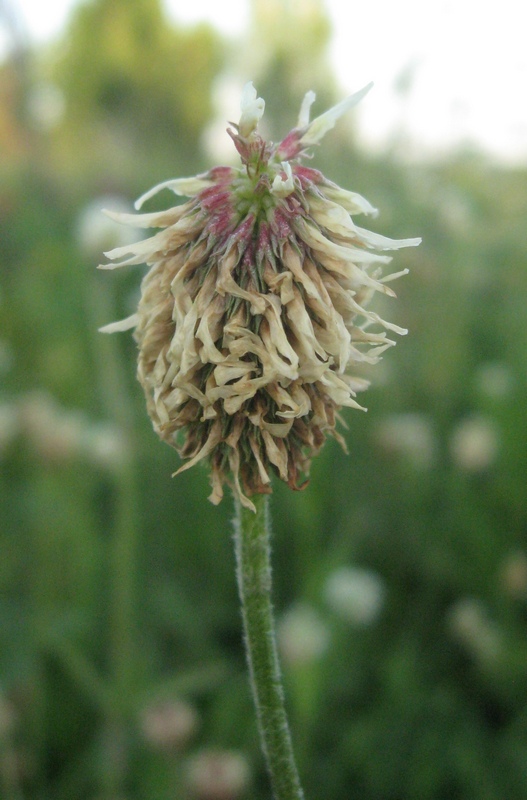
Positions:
(117, 593)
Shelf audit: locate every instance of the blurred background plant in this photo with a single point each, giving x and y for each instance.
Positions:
(400, 573)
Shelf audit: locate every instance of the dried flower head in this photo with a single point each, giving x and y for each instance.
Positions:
(254, 308)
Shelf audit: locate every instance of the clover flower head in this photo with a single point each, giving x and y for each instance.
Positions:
(254, 310)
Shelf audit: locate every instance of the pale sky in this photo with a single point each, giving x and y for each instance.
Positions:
(469, 62)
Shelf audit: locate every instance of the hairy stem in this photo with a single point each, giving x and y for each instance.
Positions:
(254, 583)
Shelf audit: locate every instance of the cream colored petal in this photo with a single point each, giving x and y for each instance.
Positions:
(121, 325)
(217, 487)
(280, 283)
(330, 215)
(281, 187)
(275, 455)
(213, 440)
(277, 334)
(357, 384)
(264, 475)
(240, 342)
(372, 239)
(141, 252)
(325, 122)
(393, 276)
(339, 391)
(301, 325)
(316, 239)
(209, 330)
(372, 317)
(353, 203)
(252, 108)
(227, 285)
(244, 393)
(359, 310)
(232, 369)
(183, 346)
(234, 395)
(277, 429)
(155, 219)
(305, 108)
(301, 400)
(335, 337)
(283, 399)
(234, 463)
(341, 260)
(336, 219)
(186, 187)
(236, 431)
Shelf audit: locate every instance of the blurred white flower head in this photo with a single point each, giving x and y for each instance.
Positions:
(469, 623)
(46, 106)
(494, 379)
(356, 594)
(58, 435)
(513, 575)
(105, 445)
(474, 444)
(53, 433)
(218, 775)
(303, 636)
(168, 724)
(409, 435)
(96, 231)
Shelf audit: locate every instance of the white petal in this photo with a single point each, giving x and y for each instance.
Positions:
(353, 203)
(184, 187)
(252, 108)
(394, 275)
(372, 239)
(213, 440)
(121, 325)
(156, 219)
(321, 125)
(256, 453)
(282, 188)
(305, 108)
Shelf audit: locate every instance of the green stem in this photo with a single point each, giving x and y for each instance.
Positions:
(253, 563)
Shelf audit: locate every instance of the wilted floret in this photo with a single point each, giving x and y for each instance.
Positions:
(254, 308)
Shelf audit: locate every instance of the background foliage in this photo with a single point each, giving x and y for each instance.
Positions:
(400, 573)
